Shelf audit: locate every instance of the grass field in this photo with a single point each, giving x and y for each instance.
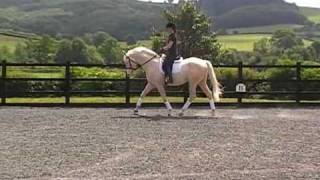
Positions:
(148, 99)
(313, 14)
(241, 42)
(36, 72)
(265, 29)
(10, 42)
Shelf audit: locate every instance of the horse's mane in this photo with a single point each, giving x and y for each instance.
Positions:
(142, 50)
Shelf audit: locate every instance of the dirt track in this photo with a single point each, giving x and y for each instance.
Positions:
(43, 143)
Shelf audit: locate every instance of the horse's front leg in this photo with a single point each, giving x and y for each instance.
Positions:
(163, 94)
(149, 87)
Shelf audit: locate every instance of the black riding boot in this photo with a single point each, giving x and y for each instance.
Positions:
(170, 77)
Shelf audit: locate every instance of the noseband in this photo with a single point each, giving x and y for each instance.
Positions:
(131, 61)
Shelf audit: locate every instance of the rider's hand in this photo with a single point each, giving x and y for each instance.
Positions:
(161, 51)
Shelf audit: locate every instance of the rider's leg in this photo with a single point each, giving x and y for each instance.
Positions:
(163, 94)
(192, 96)
(165, 68)
(170, 67)
(203, 85)
(149, 87)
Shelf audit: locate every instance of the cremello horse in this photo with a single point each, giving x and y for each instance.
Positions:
(193, 70)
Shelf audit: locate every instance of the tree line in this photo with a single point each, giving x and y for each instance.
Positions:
(98, 48)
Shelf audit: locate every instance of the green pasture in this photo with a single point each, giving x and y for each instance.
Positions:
(264, 29)
(313, 14)
(10, 42)
(241, 42)
(35, 72)
(148, 99)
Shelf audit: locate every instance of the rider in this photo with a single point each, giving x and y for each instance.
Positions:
(171, 52)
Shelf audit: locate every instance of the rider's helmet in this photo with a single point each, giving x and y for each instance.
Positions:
(172, 26)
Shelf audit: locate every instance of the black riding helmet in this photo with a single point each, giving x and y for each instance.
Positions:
(172, 25)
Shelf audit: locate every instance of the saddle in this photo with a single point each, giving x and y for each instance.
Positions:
(176, 66)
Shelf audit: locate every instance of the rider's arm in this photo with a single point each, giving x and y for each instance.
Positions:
(168, 46)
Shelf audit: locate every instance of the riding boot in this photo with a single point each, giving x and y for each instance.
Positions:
(170, 78)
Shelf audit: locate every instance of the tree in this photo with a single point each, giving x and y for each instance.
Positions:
(157, 43)
(64, 52)
(20, 53)
(41, 50)
(285, 39)
(77, 51)
(100, 38)
(194, 31)
(316, 49)
(262, 46)
(80, 51)
(284, 44)
(110, 50)
(94, 56)
(131, 40)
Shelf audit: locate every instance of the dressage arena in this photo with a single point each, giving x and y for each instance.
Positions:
(62, 143)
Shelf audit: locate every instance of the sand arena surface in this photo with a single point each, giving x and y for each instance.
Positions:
(62, 143)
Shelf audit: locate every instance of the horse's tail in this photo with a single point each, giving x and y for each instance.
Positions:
(215, 84)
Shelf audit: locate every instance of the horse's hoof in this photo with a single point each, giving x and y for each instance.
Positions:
(135, 112)
(213, 113)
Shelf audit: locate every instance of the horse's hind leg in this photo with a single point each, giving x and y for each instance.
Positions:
(149, 87)
(204, 87)
(192, 95)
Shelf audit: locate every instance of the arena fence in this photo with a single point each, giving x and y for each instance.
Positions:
(240, 89)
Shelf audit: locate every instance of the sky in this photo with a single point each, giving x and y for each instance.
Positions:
(308, 3)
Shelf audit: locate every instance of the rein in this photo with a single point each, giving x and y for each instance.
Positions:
(135, 62)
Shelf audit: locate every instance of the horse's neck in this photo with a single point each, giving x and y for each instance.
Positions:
(152, 67)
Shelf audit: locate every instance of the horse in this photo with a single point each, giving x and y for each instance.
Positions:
(194, 71)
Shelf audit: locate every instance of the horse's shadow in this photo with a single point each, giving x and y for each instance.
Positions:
(159, 117)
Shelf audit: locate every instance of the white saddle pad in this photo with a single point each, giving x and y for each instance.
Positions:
(176, 66)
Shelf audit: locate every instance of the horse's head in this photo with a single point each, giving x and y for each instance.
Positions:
(138, 57)
(129, 64)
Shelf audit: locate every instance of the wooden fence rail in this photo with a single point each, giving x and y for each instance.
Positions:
(67, 92)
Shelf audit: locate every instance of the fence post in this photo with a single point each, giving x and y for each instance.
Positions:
(3, 82)
(298, 82)
(240, 80)
(67, 82)
(127, 90)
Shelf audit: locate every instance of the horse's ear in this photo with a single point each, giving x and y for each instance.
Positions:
(124, 52)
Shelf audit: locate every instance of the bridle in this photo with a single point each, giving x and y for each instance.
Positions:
(132, 61)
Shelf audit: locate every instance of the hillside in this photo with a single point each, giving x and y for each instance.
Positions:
(124, 18)
(120, 18)
(313, 14)
(251, 13)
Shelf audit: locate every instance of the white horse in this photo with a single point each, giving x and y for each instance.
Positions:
(193, 70)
